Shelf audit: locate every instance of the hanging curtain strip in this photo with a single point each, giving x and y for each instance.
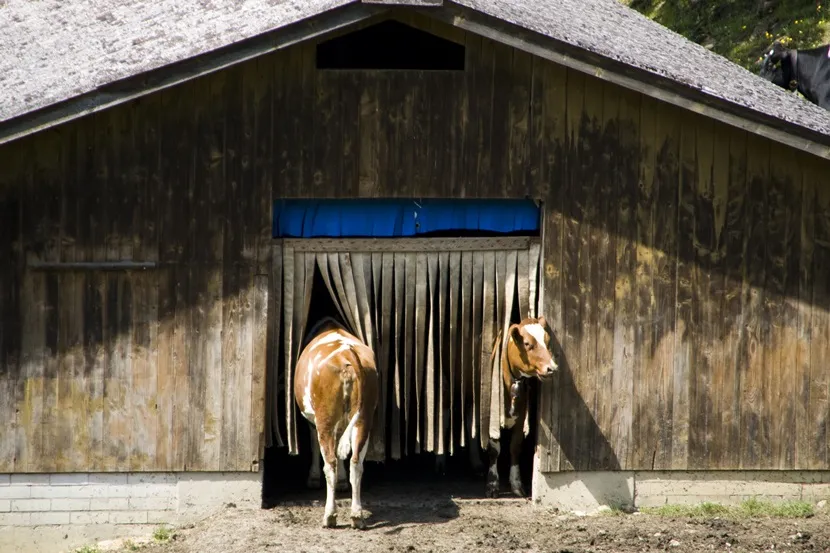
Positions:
(273, 436)
(455, 367)
(398, 402)
(446, 314)
(289, 264)
(386, 317)
(466, 326)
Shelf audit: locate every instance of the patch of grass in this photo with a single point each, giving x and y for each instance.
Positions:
(130, 545)
(705, 509)
(87, 549)
(162, 534)
(787, 509)
(749, 508)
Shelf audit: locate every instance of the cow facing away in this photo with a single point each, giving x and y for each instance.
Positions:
(807, 71)
(336, 388)
(525, 355)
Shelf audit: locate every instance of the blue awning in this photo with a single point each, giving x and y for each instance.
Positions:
(393, 218)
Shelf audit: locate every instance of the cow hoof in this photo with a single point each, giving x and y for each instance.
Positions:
(492, 491)
(358, 523)
(342, 486)
(519, 492)
(329, 521)
(313, 483)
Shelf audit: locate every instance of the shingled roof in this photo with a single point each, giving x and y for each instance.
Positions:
(52, 51)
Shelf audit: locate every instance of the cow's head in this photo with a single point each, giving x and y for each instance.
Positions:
(777, 66)
(528, 350)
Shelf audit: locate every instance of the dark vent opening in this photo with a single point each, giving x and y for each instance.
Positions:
(391, 45)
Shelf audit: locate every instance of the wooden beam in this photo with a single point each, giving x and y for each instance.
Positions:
(136, 86)
(650, 84)
(418, 245)
(92, 266)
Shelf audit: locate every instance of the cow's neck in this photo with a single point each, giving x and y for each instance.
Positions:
(514, 386)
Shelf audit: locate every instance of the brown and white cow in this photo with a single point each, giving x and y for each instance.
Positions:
(336, 388)
(525, 355)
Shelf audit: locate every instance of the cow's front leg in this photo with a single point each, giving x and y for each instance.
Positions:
(493, 449)
(516, 439)
(314, 475)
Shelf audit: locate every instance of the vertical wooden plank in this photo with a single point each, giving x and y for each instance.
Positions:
(605, 255)
(722, 372)
(211, 170)
(259, 367)
(246, 451)
(733, 248)
(684, 330)
(551, 146)
(754, 442)
(369, 124)
(164, 379)
(664, 279)
(784, 249)
(817, 215)
(521, 80)
(159, 140)
(646, 426)
(69, 402)
(482, 136)
(701, 390)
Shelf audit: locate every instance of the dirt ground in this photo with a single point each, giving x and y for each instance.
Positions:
(431, 518)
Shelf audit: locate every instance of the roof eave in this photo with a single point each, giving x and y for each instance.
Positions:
(142, 84)
(639, 80)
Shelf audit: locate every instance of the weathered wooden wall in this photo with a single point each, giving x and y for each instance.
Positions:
(686, 261)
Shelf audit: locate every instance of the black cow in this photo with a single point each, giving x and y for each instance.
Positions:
(807, 71)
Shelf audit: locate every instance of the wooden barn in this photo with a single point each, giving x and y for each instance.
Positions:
(667, 211)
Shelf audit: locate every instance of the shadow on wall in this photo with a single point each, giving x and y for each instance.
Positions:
(583, 446)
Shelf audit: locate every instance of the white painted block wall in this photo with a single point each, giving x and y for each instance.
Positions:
(123, 498)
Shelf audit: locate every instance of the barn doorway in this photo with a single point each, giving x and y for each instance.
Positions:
(431, 285)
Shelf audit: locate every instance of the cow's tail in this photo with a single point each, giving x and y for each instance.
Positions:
(349, 376)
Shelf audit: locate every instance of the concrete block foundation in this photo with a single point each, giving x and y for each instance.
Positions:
(43, 513)
(586, 492)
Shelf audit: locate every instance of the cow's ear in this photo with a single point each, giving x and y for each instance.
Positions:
(516, 334)
(542, 322)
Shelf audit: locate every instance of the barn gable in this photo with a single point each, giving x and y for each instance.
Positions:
(682, 266)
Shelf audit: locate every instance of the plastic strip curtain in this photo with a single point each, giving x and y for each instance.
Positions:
(437, 322)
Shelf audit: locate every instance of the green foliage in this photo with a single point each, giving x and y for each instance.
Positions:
(742, 30)
(747, 509)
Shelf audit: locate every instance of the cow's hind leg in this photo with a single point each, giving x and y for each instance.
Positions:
(330, 469)
(493, 450)
(516, 438)
(360, 444)
(314, 474)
